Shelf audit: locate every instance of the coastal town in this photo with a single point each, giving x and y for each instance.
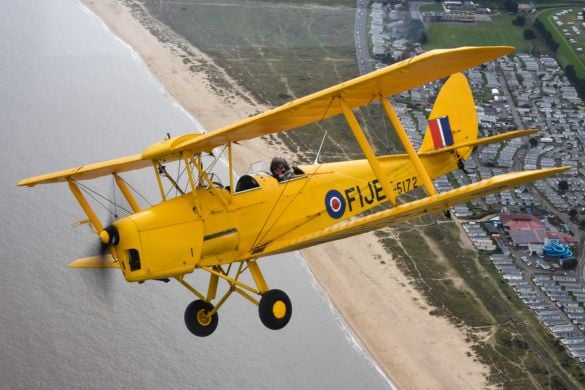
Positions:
(532, 233)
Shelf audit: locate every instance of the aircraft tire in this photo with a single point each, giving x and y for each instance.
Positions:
(197, 321)
(275, 309)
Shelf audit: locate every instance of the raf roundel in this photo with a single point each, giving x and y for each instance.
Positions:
(335, 204)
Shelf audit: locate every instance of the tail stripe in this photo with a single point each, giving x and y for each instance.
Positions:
(440, 129)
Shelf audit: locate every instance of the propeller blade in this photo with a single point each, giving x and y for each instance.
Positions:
(106, 261)
(102, 261)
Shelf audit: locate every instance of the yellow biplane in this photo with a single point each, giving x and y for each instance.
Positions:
(224, 230)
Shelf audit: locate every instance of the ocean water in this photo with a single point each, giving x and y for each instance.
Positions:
(72, 93)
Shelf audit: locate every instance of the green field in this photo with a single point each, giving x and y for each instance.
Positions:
(500, 31)
(435, 7)
(557, 3)
(566, 53)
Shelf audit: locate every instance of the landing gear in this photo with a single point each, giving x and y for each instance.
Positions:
(198, 320)
(275, 309)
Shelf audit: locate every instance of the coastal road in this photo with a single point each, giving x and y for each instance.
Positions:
(361, 37)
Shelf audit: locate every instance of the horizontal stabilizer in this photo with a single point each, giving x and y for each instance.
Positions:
(482, 141)
(406, 211)
(95, 262)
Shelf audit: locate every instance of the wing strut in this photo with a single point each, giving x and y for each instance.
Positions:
(414, 158)
(360, 137)
(126, 192)
(231, 167)
(97, 225)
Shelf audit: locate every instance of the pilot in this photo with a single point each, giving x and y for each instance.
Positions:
(280, 169)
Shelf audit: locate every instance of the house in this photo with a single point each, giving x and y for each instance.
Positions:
(524, 229)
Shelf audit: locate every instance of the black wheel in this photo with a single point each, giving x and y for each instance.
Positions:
(198, 321)
(275, 309)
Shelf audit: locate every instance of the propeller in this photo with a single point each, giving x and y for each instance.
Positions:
(103, 253)
(108, 238)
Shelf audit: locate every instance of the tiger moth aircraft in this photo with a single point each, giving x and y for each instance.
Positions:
(224, 230)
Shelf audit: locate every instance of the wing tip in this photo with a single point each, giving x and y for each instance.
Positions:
(33, 181)
(563, 169)
(498, 50)
(25, 182)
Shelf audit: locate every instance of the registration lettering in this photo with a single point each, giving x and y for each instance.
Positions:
(405, 185)
(373, 193)
(359, 197)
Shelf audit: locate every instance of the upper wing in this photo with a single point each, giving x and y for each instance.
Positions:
(156, 151)
(407, 211)
(391, 80)
(360, 91)
(89, 171)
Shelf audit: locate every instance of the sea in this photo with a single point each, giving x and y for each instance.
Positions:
(72, 93)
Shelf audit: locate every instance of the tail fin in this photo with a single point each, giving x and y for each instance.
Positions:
(453, 119)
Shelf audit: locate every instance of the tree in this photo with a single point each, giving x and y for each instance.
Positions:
(511, 6)
(573, 213)
(570, 72)
(529, 34)
(519, 21)
(548, 38)
(563, 186)
(416, 31)
(533, 142)
(387, 58)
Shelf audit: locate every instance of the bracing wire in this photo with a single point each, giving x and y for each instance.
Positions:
(320, 148)
(115, 203)
(136, 192)
(95, 195)
(179, 174)
(215, 161)
(386, 131)
(216, 158)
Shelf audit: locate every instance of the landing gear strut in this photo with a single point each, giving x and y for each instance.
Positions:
(274, 307)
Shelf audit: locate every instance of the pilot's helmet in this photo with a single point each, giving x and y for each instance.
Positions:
(277, 162)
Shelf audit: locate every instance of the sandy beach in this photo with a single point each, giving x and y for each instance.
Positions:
(415, 349)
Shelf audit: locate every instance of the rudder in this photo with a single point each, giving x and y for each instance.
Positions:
(453, 118)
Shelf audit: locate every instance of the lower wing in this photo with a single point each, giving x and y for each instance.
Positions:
(405, 211)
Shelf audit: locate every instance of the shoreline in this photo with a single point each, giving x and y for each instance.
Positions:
(388, 316)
